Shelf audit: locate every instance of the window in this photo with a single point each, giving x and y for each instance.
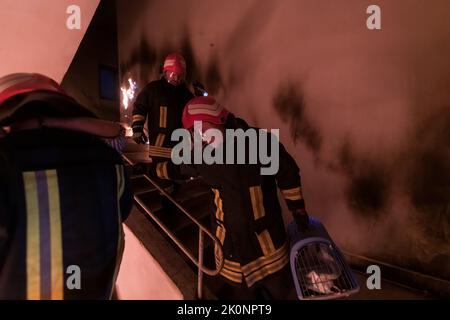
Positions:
(108, 85)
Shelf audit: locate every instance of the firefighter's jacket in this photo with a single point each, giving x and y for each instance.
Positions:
(161, 104)
(63, 197)
(247, 214)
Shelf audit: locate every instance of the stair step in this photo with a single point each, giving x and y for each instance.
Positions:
(189, 237)
(152, 201)
(190, 189)
(198, 207)
(140, 184)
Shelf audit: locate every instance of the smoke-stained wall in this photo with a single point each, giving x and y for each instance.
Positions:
(366, 113)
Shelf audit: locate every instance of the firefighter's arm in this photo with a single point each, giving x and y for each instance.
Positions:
(289, 182)
(140, 112)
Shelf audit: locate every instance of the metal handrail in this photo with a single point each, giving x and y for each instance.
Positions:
(202, 230)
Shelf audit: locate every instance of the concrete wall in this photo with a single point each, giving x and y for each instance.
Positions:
(365, 113)
(35, 38)
(140, 276)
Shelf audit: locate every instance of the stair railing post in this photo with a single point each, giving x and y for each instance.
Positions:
(200, 265)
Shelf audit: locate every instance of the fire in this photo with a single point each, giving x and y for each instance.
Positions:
(128, 92)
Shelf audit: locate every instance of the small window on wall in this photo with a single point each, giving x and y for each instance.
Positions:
(108, 78)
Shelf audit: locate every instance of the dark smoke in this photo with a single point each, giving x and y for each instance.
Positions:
(368, 182)
(143, 55)
(426, 182)
(289, 104)
(150, 60)
(213, 77)
(420, 172)
(193, 67)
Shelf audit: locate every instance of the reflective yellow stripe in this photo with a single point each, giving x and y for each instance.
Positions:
(267, 270)
(257, 202)
(162, 117)
(232, 271)
(160, 152)
(160, 140)
(138, 117)
(292, 194)
(233, 266)
(220, 234)
(159, 155)
(265, 260)
(33, 238)
(218, 202)
(220, 231)
(266, 243)
(161, 170)
(230, 275)
(56, 236)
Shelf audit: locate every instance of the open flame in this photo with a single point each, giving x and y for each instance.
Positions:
(128, 92)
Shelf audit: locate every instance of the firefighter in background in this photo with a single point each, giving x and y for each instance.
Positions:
(63, 194)
(161, 103)
(247, 216)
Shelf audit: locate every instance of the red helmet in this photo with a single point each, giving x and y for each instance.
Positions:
(33, 87)
(203, 109)
(176, 63)
(18, 83)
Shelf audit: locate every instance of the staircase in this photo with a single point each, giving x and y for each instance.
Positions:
(193, 195)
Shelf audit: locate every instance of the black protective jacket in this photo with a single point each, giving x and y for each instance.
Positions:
(162, 105)
(246, 211)
(63, 197)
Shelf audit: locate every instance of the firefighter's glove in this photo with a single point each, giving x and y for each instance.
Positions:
(140, 138)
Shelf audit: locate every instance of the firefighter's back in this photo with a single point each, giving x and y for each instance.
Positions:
(63, 197)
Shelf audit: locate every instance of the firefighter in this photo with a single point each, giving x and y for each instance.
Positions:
(161, 104)
(247, 216)
(63, 194)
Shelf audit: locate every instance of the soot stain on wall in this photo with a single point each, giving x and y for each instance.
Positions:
(290, 105)
(150, 61)
(193, 67)
(426, 173)
(368, 182)
(213, 77)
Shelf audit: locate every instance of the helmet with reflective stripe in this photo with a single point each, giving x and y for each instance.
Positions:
(23, 91)
(203, 109)
(18, 83)
(176, 63)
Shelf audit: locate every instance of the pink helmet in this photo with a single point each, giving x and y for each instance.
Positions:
(203, 109)
(176, 63)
